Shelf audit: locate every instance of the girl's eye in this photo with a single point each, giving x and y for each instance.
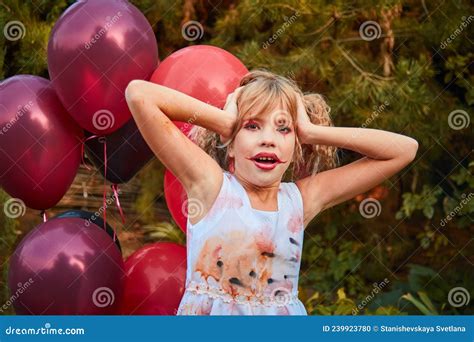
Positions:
(288, 129)
(251, 126)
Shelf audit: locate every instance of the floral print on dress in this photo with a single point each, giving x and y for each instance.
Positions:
(245, 261)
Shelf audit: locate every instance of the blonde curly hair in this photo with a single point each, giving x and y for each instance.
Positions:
(261, 90)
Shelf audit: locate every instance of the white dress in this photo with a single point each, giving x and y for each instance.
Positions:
(244, 261)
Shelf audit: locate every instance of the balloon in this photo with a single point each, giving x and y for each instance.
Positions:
(40, 145)
(155, 280)
(205, 72)
(64, 267)
(175, 197)
(127, 153)
(95, 49)
(91, 218)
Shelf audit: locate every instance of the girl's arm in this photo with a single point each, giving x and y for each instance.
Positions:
(385, 152)
(153, 107)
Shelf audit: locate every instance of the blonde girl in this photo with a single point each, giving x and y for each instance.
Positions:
(256, 173)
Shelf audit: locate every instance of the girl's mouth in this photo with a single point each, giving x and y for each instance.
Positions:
(265, 163)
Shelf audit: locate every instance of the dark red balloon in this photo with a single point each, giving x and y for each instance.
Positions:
(64, 267)
(95, 49)
(155, 280)
(40, 144)
(127, 153)
(92, 218)
(205, 72)
(175, 197)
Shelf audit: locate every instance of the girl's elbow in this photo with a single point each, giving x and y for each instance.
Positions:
(412, 149)
(134, 91)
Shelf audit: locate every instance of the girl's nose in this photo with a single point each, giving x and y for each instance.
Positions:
(268, 137)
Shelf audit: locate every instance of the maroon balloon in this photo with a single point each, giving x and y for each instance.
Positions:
(175, 197)
(95, 49)
(205, 72)
(66, 266)
(40, 145)
(127, 153)
(155, 280)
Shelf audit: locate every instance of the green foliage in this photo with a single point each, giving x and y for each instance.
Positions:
(328, 264)
(423, 201)
(164, 231)
(8, 236)
(424, 304)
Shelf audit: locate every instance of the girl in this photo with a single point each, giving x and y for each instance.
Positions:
(245, 226)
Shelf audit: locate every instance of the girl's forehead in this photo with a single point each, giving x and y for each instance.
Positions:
(277, 115)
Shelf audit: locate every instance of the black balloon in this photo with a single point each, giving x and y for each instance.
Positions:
(97, 220)
(127, 153)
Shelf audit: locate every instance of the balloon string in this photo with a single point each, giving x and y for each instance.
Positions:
(104, 141)
(43, 215)
(117, 202)
(82, 150)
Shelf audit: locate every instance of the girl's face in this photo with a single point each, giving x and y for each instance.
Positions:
(270, 136)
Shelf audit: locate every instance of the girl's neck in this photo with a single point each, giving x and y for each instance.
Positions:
(261, 198)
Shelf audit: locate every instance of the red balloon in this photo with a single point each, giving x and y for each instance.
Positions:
(205, 72)
(40, 145)
(95, 49)
(175, 197)
(66, 266)
(155, 280)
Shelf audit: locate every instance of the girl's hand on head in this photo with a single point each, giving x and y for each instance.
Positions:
(302, 120)
(230, 108)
